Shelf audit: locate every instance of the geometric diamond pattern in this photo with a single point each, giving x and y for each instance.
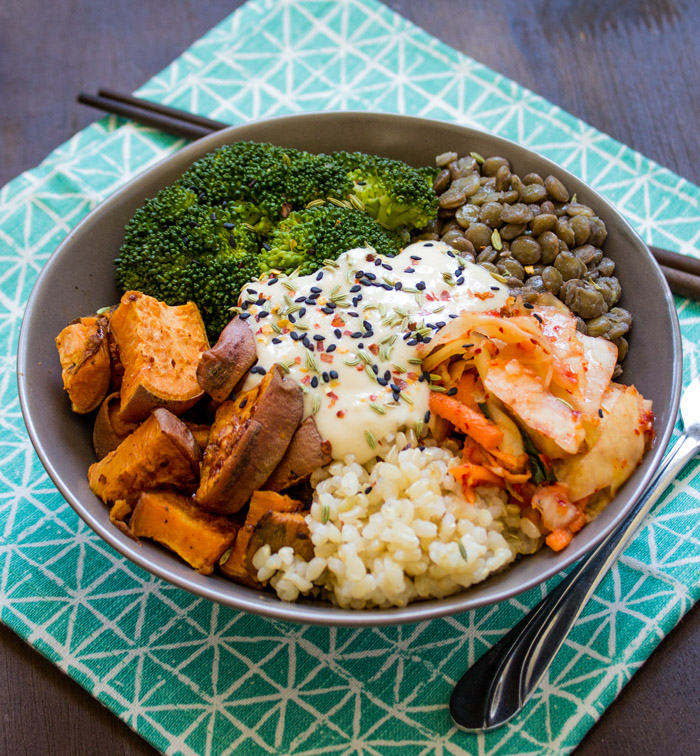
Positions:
(196, 678)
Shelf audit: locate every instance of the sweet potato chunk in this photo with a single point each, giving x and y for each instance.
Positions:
(160, 453)
(85, 362)
(306, 452)
(235, 565)
(159, 347)
(248, 439)
(279, 529)
(221, 367)
(175, 521)
(110, 430)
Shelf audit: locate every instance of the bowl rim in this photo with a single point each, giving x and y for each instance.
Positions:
(309, 611)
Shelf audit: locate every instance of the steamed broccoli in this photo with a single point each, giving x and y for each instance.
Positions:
(393, 193)
(248, 208)
(308, 237)
(206, 257)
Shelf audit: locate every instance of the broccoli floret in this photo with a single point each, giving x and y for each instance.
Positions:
(393, 193)
(206, 258)
(308, 237)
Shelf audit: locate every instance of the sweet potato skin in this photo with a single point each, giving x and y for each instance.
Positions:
(307, 452)
(222, 367)
(109, 429)
(248, 438)
(160, 453)
(277, 530)
(86, 367)
(159, 348)
(235, 565)
(174, 520)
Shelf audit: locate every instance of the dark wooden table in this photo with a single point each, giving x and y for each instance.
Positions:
(630, 68)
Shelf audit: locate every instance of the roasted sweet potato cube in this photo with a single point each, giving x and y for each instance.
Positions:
(159, 348)
(110, 429)
(234, 565)
(279, 529)
(222, 367)
(160, 453)
(85, 361)
(248, 439)
(175, 521)
(306, 452)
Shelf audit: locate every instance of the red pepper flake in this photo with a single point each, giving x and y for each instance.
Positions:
(412, 376)
(348, 333)
(297, 360)
(337, 321)
(445, 296)
(333, 397)
(401, 383)
(306, 380)
(341, 413)
(430, 297)
(483, 295)
(325, 357)
(374, 348)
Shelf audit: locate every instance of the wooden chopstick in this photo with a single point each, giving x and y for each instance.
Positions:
(681, 272)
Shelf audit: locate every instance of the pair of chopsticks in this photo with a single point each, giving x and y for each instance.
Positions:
(681, 272)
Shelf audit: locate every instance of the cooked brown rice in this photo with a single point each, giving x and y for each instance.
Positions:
(397, 529)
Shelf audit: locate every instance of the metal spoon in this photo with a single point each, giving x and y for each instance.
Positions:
(498, 685)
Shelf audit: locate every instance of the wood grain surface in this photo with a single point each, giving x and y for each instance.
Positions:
(630, 68)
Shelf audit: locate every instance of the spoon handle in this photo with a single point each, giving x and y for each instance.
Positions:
(497, 686)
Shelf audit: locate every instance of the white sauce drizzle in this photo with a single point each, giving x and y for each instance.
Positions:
(349, 335)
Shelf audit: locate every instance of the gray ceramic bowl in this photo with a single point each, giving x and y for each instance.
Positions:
(79, 278)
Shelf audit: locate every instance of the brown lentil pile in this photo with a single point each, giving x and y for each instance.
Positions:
(529, 233)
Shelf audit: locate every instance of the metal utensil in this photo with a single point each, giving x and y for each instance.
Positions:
(498, 685)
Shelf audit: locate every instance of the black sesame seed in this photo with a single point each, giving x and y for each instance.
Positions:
(415, 257)
(441, 324)
(258, 369)
(261, 301)
(361, 345)
(426, 339)
(495, 288)
(528, 306)
(367, 325)
(291, 319)
(310, 301)
(295, 336)
(244, 315)
(359, 273)
(246, 305)
(327, 310)
(398, 286)
(428, 244)
(305, 341)
(396, 395)
(251, 291)
(420, 379)
(232, 242)
(450, 253)
(325, 377)
(193, 224)
(262, 314)
(319, 276)
(377, 262)
(276, 340)
(426, 417)
(452, 391)
(355, 288)
(272, 281)
(368, 490)
(412, 342)
(331, 348)
(387, 374)
(333, 374)
(381, 381)
(537, 317)
(353, 314)
(394, 387)
(316, 289)
(213, 216)
(314, 382)
(368, 334)
(300, 299)
(266, 246)
(338, 333)
(387, 287)
(386, 266)
(243, 403)
(600, 414)
(420, 285)
(318, 337)
(409, 270)
(375, 369)
(356, 335)
(355, 300)
(229, 226)
(452, 317)
(460, 281)
(371, 276)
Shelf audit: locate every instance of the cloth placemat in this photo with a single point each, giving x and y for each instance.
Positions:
(193, 677)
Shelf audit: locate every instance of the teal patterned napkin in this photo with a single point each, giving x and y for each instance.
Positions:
(197, 678)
